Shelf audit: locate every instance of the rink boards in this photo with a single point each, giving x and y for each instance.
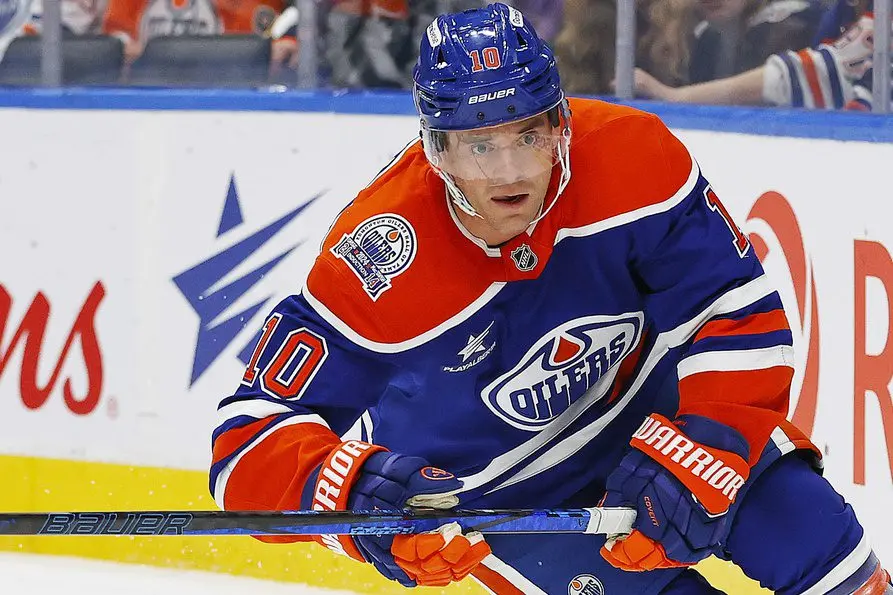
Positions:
(125, 218)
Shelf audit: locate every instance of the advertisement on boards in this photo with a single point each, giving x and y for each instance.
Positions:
(150, 249)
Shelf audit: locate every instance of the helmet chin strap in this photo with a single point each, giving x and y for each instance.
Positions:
(457, 195)
(564, 158)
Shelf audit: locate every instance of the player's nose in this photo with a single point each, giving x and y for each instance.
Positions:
(508, 167)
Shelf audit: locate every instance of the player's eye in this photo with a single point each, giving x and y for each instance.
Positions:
(478, 149)
(530, 139)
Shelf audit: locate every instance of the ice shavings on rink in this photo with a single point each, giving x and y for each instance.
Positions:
(30, 574)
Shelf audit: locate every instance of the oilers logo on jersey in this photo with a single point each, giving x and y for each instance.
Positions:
(379, 249)
(585, 584)
(578, 356)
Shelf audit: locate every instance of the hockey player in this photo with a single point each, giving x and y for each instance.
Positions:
(542, 302)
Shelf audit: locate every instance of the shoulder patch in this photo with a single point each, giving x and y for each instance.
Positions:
(377, 250)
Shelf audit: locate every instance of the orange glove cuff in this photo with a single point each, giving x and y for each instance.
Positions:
(336, 476)
(714, 476)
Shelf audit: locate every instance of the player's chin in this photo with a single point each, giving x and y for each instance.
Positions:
(513, 224)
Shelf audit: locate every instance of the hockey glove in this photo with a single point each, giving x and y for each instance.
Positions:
(362, 476)
(681, 477)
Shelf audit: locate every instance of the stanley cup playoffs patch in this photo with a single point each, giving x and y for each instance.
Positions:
(379, 249)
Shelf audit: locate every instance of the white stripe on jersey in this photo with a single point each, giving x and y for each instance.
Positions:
(782, 441)
(731, 301)
(625, 218)
(257, 408)
(367, 426)
(507, 460)
(510, 574)
(842, 571)
(737, 360)
(401, 346)
(224, 475)
(495, 288)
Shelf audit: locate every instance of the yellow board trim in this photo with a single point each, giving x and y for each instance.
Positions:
(35, 484)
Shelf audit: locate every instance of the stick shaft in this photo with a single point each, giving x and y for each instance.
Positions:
(158, 523)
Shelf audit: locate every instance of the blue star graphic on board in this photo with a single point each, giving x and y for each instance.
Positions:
(196, 283)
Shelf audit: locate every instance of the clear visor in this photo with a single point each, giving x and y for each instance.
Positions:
(499, 154)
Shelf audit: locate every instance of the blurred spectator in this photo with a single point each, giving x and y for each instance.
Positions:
(367, 43)
(374, 43)
(840, 16)
(845, 16)
(666, 38)
(738, 35)
(547, 16)
(137, 21)
(586, 51)
(25, 17)
(14, 14)
(828, 76)
(584, 48)
(79, 17)
(694, 41)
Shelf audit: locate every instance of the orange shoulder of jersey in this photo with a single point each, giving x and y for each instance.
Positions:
(396, 270)
(384, 276)
(624, 162)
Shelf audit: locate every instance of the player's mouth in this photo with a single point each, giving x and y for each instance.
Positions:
(510, 199)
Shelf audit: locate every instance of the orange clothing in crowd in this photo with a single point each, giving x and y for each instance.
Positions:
(393, 9)
(144, 19)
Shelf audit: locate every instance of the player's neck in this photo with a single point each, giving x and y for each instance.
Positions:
(482, 230)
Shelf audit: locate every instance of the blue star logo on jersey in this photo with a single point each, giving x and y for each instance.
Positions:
(474, 346)
(199, 284)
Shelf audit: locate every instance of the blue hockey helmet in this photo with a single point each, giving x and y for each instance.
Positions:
(483, 67)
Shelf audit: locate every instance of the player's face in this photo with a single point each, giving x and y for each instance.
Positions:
(504, 172)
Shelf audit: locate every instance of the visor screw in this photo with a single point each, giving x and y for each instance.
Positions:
(511, 109)
(481, 116)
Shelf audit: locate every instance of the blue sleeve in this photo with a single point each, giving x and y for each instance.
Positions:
(718, 314)
(305, 385)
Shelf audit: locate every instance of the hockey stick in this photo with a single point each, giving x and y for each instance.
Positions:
(608, 521)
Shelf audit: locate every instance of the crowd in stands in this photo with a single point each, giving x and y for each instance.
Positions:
(802, 53)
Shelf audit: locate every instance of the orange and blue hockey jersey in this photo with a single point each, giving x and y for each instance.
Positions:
(523, 369)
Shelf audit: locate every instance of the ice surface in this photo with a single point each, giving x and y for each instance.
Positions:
(32, 574)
